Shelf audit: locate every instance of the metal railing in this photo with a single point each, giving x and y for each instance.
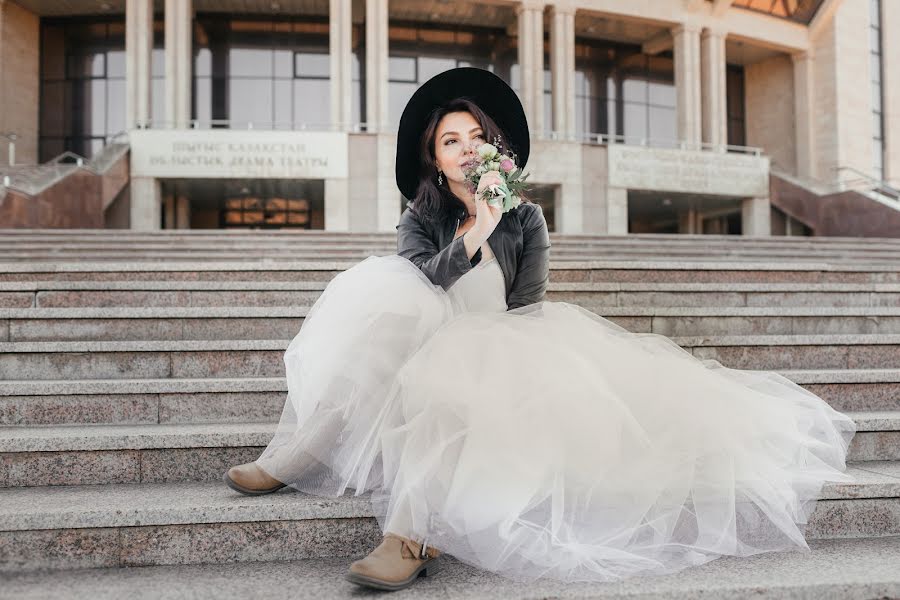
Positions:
(631, 140)
(862, 180)
(260, 125)
(859, 181)
(590, 138)
(34, 179)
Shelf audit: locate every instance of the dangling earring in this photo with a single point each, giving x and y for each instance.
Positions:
(440, 177)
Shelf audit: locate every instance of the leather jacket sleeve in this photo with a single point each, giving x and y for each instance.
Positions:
(533, 273)
(443, 267)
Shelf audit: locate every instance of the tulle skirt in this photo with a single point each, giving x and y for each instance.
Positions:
(545, 441)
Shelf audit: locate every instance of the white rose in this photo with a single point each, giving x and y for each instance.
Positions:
(487, 151)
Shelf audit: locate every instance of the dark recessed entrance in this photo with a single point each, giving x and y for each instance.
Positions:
(247, 203)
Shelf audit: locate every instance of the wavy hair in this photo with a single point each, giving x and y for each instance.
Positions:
(433, 201)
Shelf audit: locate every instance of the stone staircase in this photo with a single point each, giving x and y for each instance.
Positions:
(134, 369)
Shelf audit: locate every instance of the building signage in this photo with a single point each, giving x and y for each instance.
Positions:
(671, 170)
(230, 153)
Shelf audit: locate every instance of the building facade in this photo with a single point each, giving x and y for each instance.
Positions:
(647, 116)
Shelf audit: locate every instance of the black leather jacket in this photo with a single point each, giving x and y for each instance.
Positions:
(520, 242)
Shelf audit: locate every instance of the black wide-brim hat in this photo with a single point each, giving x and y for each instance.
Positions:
(488, 91)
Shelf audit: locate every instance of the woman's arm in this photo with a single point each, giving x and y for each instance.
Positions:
(443, 267)
(533, 274)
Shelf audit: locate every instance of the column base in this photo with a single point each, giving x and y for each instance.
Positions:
(756, 217)
(145, 207)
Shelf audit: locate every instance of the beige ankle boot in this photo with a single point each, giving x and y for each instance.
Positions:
(251, 480)
(395, 564)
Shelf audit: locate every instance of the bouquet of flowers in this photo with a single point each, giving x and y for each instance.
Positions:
(493, 157)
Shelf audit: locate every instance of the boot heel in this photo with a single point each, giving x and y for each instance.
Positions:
(433, 567)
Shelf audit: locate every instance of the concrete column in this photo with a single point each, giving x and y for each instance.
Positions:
(804, 94)
(531, 63)
(376, 65)
(145, 207)
(569, 208)
(890, 53)
(340, 47)
(756, 217)
(179, 53)
(182, 213)
(138, 52)
(562, 65)
(337, 205)
(616, 211)
(687, 221)
(686, 39)
(388, 195)
(715, 112)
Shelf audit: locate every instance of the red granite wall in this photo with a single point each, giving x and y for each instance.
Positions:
(76, 202)
(842, 214)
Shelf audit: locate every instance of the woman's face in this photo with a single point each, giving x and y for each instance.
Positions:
(455, 142)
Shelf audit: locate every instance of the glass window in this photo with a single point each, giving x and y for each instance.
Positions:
(250, 102)
(875, 13)
(273, 73)
(734, 94)
(624, 92)
(398, 95)
(662, 94)
(283, 63)
(82, 82)
(876, 65)
(876, 96)
(115, 63)
(250, 62)
(306, 111)
(430, 66)
(419, 51)
(402, 68)
(663, 123)
(115, 103)
(283, 117)
(635, 121)
(313, 65)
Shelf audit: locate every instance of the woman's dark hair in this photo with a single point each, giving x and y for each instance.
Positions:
(435, 201)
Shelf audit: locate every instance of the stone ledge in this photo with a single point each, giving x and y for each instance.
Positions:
(237, 312)
(60, 438)
(278, 384)
(282, 344)
(253, 286)
(81, 266)
(833, 570)
(118, 505)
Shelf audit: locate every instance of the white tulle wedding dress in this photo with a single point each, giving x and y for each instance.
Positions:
(545, 441)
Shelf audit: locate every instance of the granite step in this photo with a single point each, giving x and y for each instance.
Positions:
(595, 271)
(345, 253)
(283, 322)
(264, 357)
(145, 524)
(70, 294)
(51, 234)
(834, 569)
(185, 401)
(101, 454)
(317, 237)
(261, 399)
(12, 239)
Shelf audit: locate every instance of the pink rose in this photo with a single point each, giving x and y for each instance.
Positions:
(507, 165)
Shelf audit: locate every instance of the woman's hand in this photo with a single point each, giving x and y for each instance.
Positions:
(486, 215)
